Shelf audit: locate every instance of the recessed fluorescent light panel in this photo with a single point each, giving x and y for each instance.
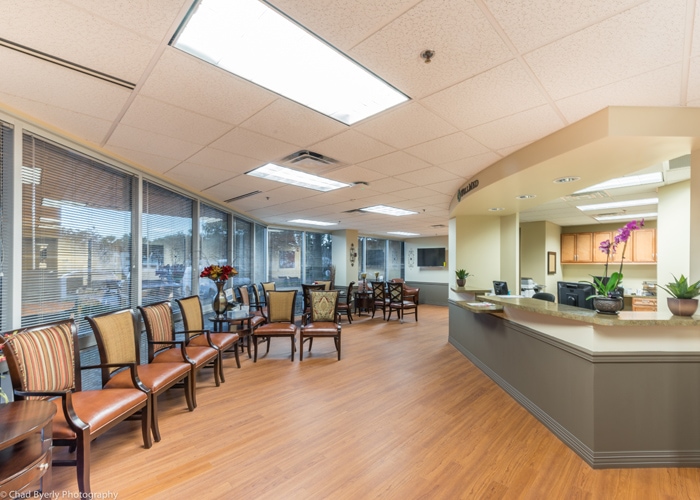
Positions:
(383, 209)
(626, 216)
(252, 40)
(401, 233)
(620, 204)
(274, 172)
(312, 222)
(627, 181)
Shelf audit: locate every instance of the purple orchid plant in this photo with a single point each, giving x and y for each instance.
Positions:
(606, 286)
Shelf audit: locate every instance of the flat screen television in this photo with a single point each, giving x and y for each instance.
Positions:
(574, 294)
(431, 257)
(500, 288)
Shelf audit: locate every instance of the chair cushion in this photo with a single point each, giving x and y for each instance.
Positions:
(155, 376)
(320, 328)
(272, 329)
(100, 409)
(404, 304)
(221, 340)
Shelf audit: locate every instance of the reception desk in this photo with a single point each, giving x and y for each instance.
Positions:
(621, 391)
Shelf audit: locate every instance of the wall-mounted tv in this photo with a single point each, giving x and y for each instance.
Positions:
(431, 257)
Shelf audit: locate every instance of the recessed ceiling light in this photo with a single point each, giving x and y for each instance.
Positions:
(626, 216)
(401, 233)
(383, 209)
(274, 172)
(627, 181)
(564, 180)
(525, 196)
(312, 222)
(254, 41)
(496, 209)
(619, 204)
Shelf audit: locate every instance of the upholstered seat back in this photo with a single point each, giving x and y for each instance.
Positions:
(43, 358)
(306, 290)
(159, 326)
(324, 305)
(115, 335)
(326, 284)
(280, 306)
(378, 290)
(267, 287)
(245, 296)
(191, 309)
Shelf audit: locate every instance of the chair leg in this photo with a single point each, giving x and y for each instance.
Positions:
(191, 405)
(83, 462)
(154, 417)
(193, 385)
(146, 420)
(294, 347)
(217, 369)
(337, 345)
(301, 351)
(235, 350)
(221, 366)
(255, 357)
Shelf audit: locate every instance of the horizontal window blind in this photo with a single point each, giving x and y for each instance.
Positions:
(6, 155)
(76, 235)
(213, 248)
(166, 261)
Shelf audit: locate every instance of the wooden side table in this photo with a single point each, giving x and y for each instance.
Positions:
(364, 301)
(25, 447)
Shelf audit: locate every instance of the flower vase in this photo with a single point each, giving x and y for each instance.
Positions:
(220, 303)
(608, 305)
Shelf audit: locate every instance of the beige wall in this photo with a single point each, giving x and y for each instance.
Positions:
(345, 272)
(510, 252)
(475, 245)
(415, 273)
(533, 253)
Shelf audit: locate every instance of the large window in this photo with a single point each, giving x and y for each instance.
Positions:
(166, 260)
(213, 246)
(76, 235)
(319, 256)
(285, 264)
(381, 257)
(260, 253)
(243, 252)
(6, 156)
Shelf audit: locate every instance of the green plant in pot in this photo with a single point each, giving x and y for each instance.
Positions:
(462, 276)
(683, 301)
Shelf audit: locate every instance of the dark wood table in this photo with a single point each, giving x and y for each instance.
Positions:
(25, 447)
(244, 331)
(364, 301)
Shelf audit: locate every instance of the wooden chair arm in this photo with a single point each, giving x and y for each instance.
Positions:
(132, 369)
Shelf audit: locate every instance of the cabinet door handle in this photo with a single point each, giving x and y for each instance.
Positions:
(44, 466)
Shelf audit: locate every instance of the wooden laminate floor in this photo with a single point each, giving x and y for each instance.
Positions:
(403, 415)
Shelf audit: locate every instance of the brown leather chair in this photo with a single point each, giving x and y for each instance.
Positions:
(163, 347)
(346, 307)
(256, 321)
(280, 320)
(399, 302)
(379, 296)
(118, 336)
(193, 321)
(322, 320)
(44, 362)
(306, 289)
(412, 293)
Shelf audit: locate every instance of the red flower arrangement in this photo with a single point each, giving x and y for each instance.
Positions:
(218, 273)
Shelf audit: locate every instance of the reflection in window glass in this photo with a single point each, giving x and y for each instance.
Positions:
(166, 262)
(319, 256)
(243, 252)
(394, 262)
(284, 261)
(76, 235)
(213, 247)
(260, 253)
(375, 257)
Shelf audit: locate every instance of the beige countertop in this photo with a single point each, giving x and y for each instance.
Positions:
(624, 318)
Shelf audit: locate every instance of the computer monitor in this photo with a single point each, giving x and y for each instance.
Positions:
(500, 288)
(574, 294)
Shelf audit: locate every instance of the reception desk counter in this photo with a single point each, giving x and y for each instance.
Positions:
(621, 391)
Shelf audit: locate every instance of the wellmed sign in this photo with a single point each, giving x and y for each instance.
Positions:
(462, 192)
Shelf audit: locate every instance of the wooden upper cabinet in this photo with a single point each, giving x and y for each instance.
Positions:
(598, 238)
(644, 245)
(576, 247)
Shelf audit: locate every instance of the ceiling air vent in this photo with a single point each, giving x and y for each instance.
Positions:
(308, 159)
(252, 193)
(593, 195)
(438, 225)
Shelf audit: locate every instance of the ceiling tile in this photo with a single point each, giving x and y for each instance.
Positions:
(464, 42)
(351, 147)
(406, 125)
(521, 128)
(636, 41)
(446, 149)
(223, 161)
(428, 175)
(145, 141)
(165, 119)
(467, 167)
(501, 91)
(289, 122)
(354, 173)
(144, 160)
(391, 184)
(246, 143)
(198, 177)
(394, 163)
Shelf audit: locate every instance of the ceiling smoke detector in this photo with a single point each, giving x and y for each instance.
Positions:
(427, 55)
(308, 159)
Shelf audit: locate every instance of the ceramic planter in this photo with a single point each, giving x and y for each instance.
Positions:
(682, 307)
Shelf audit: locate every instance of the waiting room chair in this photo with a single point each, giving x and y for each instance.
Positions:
(409, 292)
(256, 321)
(193, 321)
(400, 302)
(544, 296)
(44, 362)
(326, 283)
(379, 296)
(306, 289)
(346, 307)
(280, 320)
(322, 320)
(164, 347)
(265, 286)
(118, 336)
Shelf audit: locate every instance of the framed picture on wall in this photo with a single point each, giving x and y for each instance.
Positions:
(551, 262)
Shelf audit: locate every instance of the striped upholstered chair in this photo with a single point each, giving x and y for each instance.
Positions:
(164, 347)
(193, 320)
(44, 363)
(118, 336)
(280, 320)
(323, 320)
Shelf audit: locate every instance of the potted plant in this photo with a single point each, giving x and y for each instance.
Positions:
(607, 300)
(683, 302)
(462, 276)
